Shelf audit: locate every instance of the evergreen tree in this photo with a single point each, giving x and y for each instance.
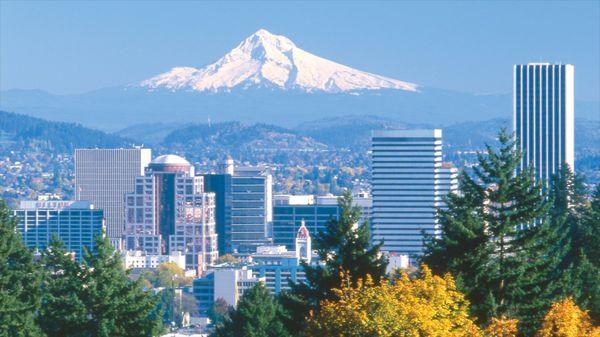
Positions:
(495, 239)
(579, 225)
(19, 281)
(345, 246)
(218, 311)
(63, 312)
(257, 314)
(117, 307)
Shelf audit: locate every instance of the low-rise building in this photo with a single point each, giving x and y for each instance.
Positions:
(138, 259)
(75, 223)
(226, 283)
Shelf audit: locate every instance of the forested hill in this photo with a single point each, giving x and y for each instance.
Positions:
(57, 137)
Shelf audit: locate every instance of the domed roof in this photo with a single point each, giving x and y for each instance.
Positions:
(170, 159)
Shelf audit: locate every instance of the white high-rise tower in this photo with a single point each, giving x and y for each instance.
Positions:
(408, 182)
(543, 116)
(103, 176)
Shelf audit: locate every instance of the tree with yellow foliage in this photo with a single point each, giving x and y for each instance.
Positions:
(424, 306)
(566, 319)
(502, 327)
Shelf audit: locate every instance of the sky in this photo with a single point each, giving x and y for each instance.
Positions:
(74, 47)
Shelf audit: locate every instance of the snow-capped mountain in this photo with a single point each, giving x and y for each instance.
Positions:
(267, 60)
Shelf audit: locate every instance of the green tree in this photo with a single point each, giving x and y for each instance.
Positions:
(63, 312)
(578, 242)
(258, 314)
(117, 307)
(344, 246)
(19, 281)
(169, 274)
(496, 240)
(219, 311)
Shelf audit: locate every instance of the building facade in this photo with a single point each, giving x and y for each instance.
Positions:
(103, 176)
(406, 188)
(290, 211)
(279, 267)
(169, 212)
(75, 223)
(220, 185)
(226, 283)
(137, 259)
(251, 208)
(544, 117)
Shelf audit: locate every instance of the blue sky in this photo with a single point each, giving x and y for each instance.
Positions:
(72, 47)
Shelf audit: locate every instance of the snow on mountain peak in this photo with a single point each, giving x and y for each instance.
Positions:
(267, 60)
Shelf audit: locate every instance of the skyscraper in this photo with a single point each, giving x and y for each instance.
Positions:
(75, 223)
(405, 187)
(220, 184)
(543, 116)
(168, 211)
(251, 208)
(103, 176)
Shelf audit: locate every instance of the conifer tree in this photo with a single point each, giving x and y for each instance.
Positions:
(117, 307)
(257, 315)
(19, 281)
(63, 312)
(495, 238)
(344, 246)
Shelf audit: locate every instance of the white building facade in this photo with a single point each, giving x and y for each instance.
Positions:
(406, 189)
(137, 259)
(103, 176)
(544, 117)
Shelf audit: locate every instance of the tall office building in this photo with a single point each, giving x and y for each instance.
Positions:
(168, 211)
(75, 223)
(447, 182)
(543, 116)
(405, 187)
(251, 208)
(103, 176)
(220, 184)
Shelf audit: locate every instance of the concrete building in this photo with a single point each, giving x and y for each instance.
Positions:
(75, 223)
(137, 259)
(103, 176)
(227, 283)
(168, 212)
(406, 177)
(544, 116)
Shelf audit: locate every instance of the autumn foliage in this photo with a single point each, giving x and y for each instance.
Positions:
(502, 327)
(423, 306)
(566, 319)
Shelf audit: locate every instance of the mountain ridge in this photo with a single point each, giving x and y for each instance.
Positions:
(267, 60)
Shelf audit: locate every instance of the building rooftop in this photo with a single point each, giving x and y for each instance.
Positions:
(170, 159)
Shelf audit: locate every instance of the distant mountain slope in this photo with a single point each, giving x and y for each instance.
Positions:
(52, 136)
(239, 140)
(272, 61)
